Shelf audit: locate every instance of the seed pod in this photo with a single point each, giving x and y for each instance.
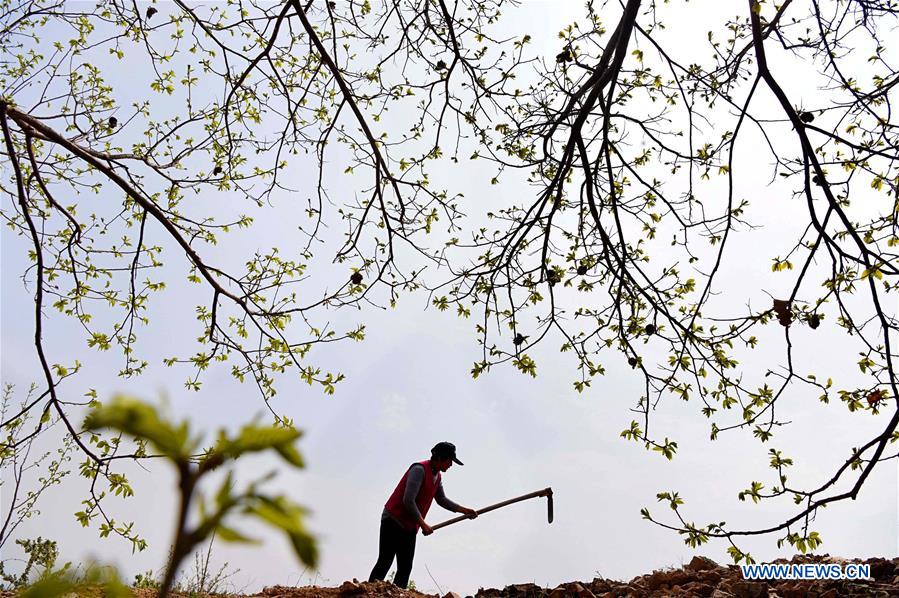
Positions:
(814, 321)
(519, 339)
(564, 56)
(217, 170)
(441, 65)
(632, 362)
(783, 311)
(112, 122)
(582, 269)
(806, 117)
(650, 329)
(875, 397)
(552, 277)
(356, 278)
(151, 10)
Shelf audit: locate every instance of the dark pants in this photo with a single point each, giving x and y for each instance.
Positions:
(394, 541)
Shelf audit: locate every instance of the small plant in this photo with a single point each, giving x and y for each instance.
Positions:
(146, 581)
(175, 443)
(25, 475)
(411, 585)
(204, 580)
(40, 552)
(66, 581)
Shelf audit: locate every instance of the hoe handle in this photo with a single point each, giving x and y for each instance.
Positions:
(545, 492)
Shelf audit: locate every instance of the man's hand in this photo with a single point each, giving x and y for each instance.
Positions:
(471, 513)
(426, 529)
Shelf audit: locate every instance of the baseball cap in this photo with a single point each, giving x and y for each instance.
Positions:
(445, 450)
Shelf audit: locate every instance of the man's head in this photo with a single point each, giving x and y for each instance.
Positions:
(443, 455)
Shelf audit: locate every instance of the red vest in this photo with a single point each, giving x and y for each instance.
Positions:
(426, 494)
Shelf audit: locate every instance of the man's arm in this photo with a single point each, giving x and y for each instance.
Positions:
(413, 486)
(449, 505)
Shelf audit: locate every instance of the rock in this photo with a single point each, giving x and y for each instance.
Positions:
(791, 589)
(558, 592)
(749, 589)
(523, 590)
(695, 588)
(451, 595)
(582, 592)
(701, 563)
(275, 590)
(711, 577)
(600, 586)
(570, 590)
(520, 590)
(350, 588)
(657, 579)
(881, 569)
(721, 594)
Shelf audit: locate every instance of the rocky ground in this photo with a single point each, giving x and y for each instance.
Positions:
(701, 577)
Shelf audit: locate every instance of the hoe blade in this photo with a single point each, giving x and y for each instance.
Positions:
(549, 505)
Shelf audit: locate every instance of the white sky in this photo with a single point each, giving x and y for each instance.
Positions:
(408, 386)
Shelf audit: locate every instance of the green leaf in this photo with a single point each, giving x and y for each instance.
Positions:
(66, 581)
(141, 420)
(229, 535)
(49, 586)
(281, 513)
(254, 438)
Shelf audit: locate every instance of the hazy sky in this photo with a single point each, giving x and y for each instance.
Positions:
(408, 386)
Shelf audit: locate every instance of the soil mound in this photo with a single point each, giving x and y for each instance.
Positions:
(705, 578)
(702, 577)
(349, 589)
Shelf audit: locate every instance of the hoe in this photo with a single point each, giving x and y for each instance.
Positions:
(547, 492)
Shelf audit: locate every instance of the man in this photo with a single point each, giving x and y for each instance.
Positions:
(405, 510)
